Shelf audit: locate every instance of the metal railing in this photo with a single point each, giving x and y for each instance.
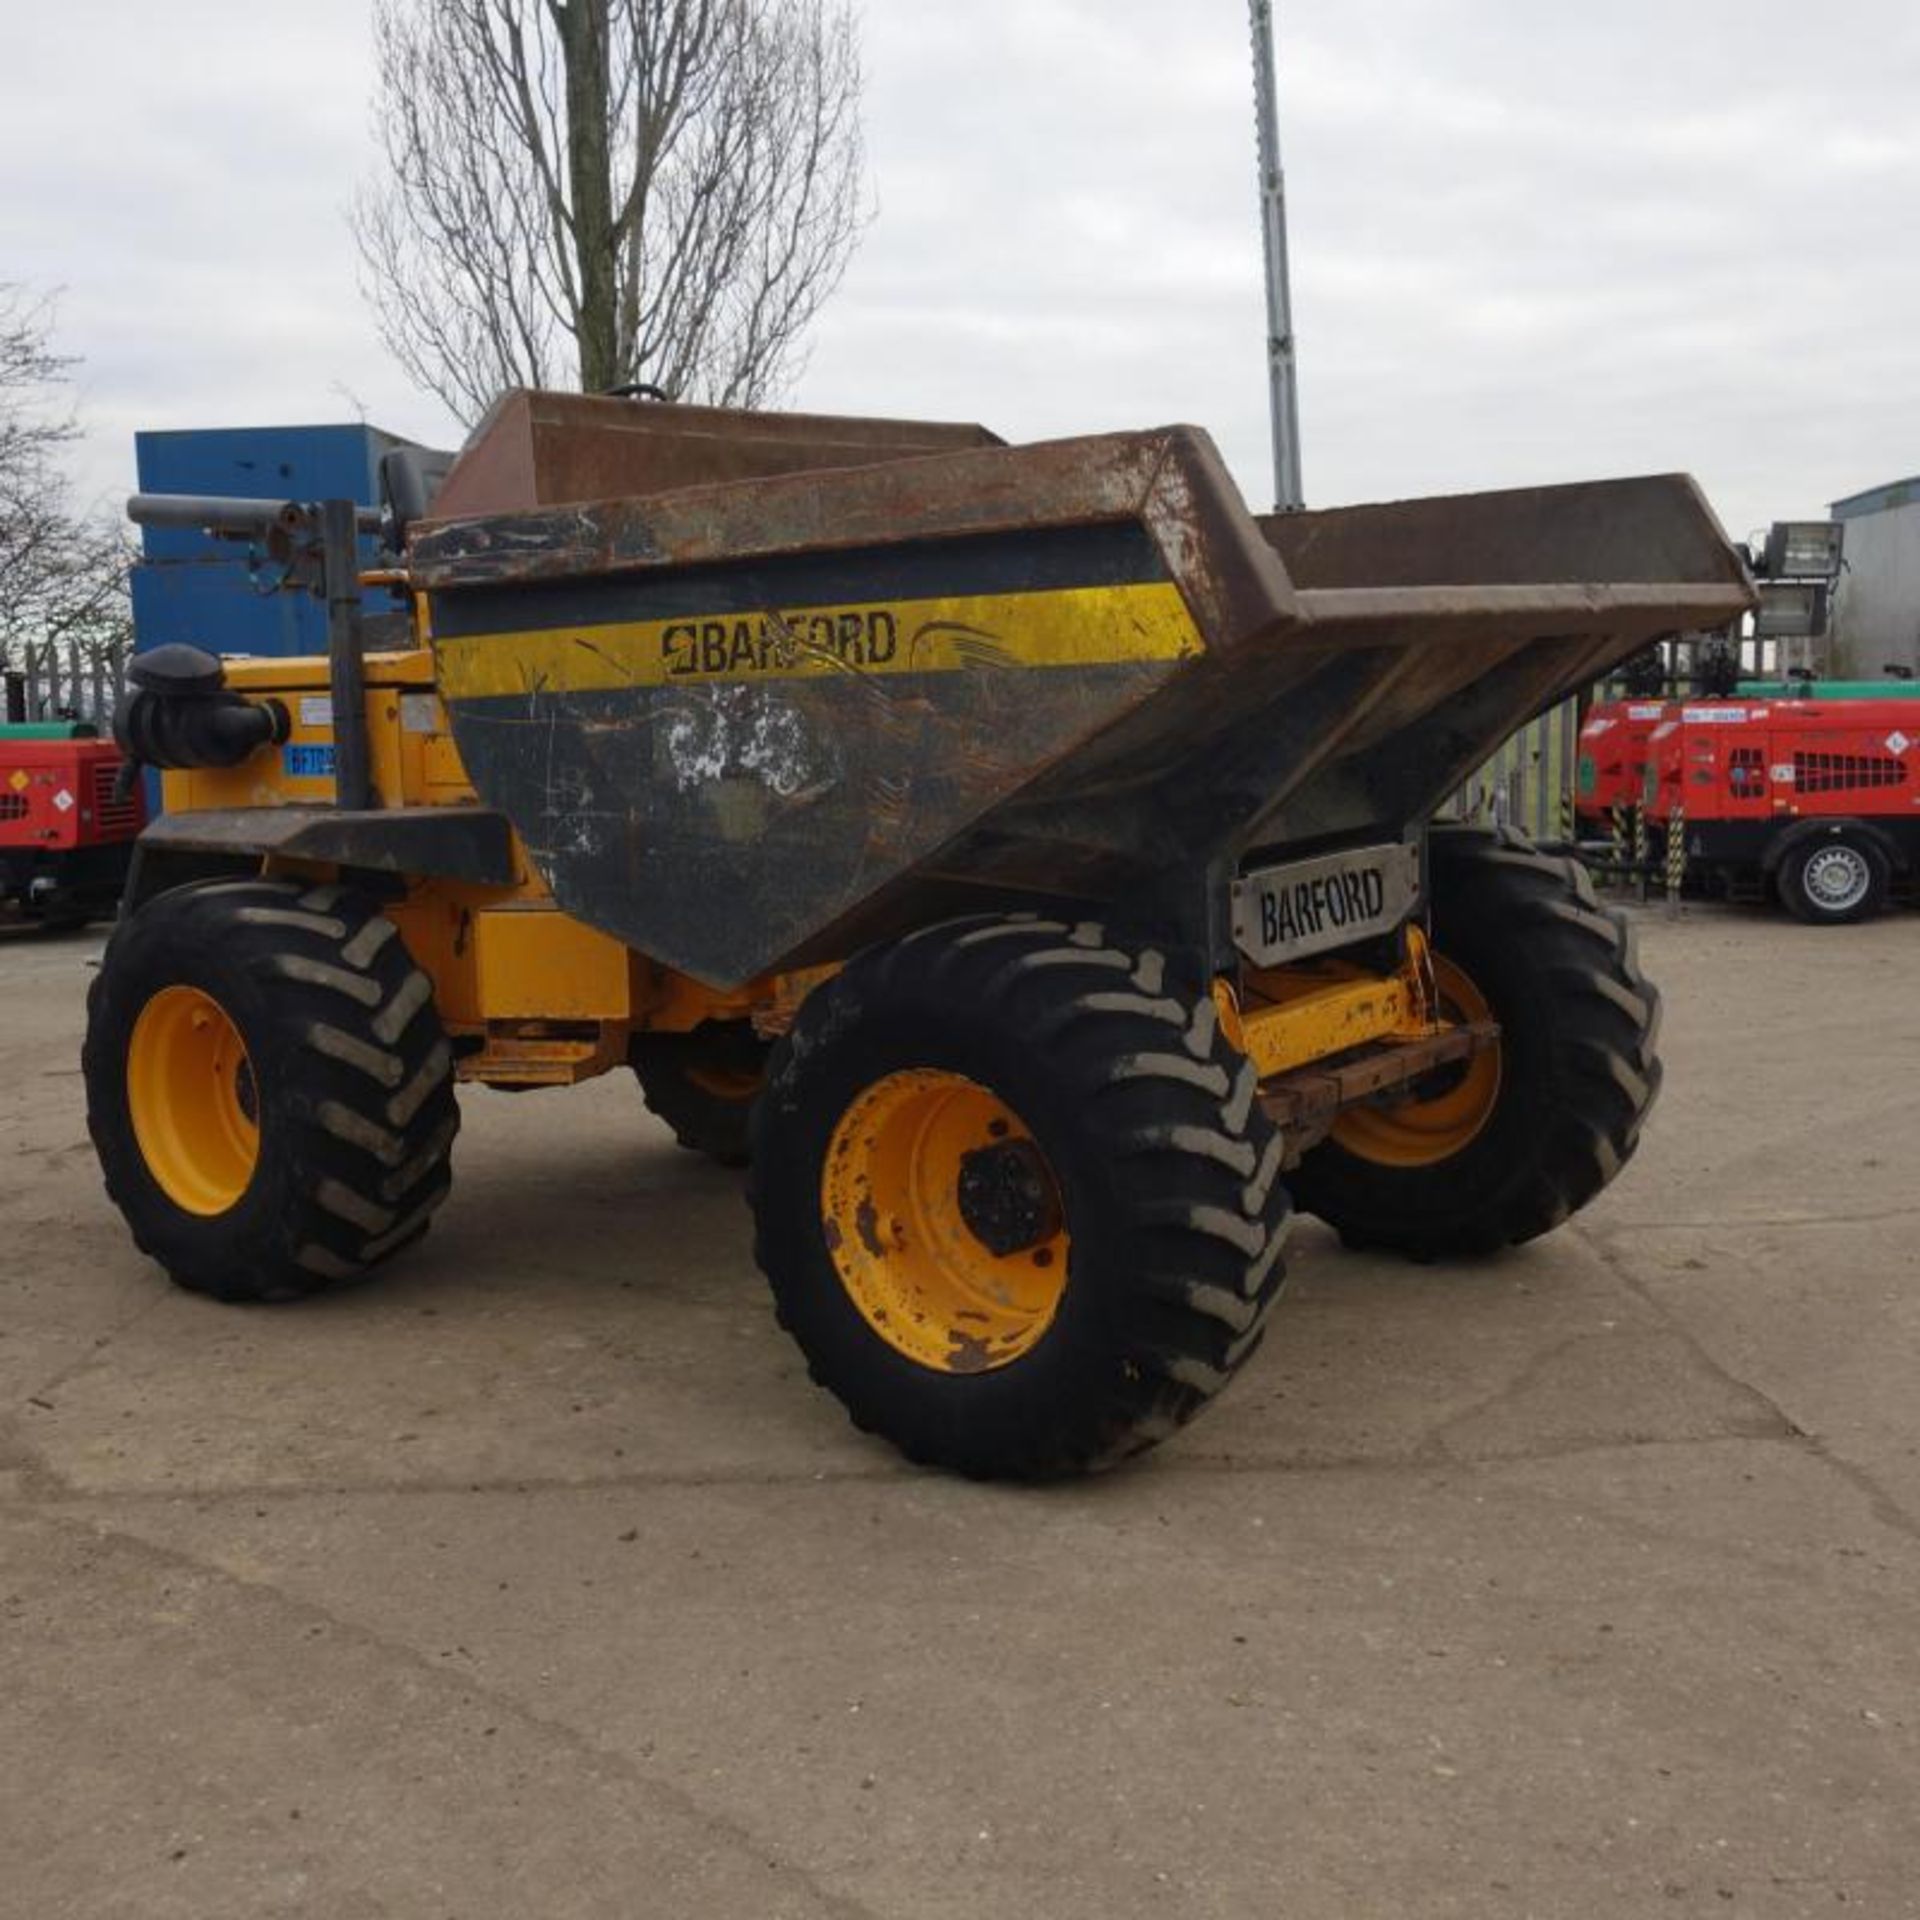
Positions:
(1530, 782)
(64, 680)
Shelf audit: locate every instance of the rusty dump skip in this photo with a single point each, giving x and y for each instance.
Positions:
(542, 449)
(751, 719)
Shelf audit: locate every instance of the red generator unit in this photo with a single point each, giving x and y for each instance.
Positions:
(1615, 746)
(66, 833)
(1816, 801)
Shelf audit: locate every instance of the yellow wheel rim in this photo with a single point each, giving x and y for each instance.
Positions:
(191, 1093)
(1422, 1133)
(944, 1221)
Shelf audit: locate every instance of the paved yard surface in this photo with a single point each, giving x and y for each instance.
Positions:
(534, 1580)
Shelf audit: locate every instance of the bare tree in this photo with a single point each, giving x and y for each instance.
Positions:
(32, 431)
(596, 192)
(63, 574)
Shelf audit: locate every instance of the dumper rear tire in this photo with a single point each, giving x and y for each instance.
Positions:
(268, 1087)
(1015, 1197)
(1576, 1073)
(703, 1085)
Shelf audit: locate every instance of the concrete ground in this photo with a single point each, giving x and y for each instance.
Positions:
(534, 1579)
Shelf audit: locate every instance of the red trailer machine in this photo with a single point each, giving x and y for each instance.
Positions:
(66, 834)
(1615, 744)
(1816, 800)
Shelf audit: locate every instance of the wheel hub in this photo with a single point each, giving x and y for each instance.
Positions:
(1837, 878)
(944, 1221)
(1007, 1197)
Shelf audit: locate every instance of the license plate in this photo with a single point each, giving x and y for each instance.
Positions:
(1312, 906)
(307, 763)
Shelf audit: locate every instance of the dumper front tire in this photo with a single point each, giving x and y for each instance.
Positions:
(268, 1087)
(703, 1085)
(1015, 1197)
(1505, 1148)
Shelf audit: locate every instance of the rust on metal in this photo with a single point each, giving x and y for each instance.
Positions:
(546, 449)
(1305, 1103)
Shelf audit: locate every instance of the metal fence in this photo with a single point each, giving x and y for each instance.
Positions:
(1530, 782)
(74, 680)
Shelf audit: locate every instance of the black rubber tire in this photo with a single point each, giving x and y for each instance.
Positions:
(352, 1074)
(1167, 1170)
(1579, 1071)
(667, 1065)
(1799, 900)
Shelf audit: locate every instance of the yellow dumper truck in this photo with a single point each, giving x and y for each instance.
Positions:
(1019, 855)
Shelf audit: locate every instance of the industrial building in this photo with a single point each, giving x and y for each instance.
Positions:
(1876, 621)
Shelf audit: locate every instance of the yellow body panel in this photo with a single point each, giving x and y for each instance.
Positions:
(410, 746)
(1316, 1017)
(257, 674)
(670, 1002)
(537, 963)
(436, 919)
(1290, 1017)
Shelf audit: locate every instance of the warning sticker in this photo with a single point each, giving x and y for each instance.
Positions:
(1898, 743)
(63, 800)
(19, 781)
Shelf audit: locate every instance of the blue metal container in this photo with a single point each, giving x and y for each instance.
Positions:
(212, 594)
(191, 588)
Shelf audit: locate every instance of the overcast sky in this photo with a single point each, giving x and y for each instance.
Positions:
(1531, 241)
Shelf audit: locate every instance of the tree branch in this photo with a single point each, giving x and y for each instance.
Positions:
(590, 191)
